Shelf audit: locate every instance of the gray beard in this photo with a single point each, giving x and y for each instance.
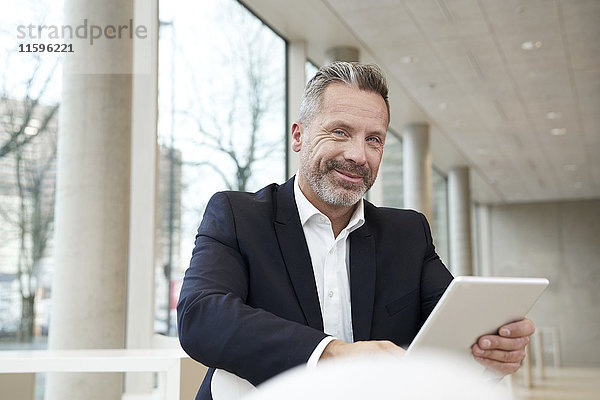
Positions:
(331, 191)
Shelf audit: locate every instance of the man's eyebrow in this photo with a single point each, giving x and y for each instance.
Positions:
(338, 124)
(343, 125)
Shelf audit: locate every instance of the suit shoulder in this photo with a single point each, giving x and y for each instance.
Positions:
(246, 203)
(395, 214)
(392, 221)
(263, 194)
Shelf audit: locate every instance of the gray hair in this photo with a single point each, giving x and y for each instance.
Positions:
(366, 77)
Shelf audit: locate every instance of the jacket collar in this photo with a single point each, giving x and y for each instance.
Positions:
(296, 256)
(363, 269)
(294, 250)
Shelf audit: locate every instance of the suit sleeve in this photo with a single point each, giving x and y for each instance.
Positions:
(216, 327)
(435, 277)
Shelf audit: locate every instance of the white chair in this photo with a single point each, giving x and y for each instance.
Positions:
(227, 386)
(423, 377)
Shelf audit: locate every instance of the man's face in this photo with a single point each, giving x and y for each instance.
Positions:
(341, 150)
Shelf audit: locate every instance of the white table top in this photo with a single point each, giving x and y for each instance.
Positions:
(96, 360)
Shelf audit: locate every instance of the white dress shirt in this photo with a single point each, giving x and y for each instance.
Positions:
(330, 258)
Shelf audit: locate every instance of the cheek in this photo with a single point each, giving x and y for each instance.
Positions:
(374, 160)
(326, 149)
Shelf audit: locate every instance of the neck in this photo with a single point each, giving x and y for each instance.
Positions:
(338, 215)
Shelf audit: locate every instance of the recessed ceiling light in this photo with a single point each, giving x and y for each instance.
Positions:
(558, 131)
(531, 45)
(553, 115)
(409, 59)
(443, 106)
(570, 167)
(578, 185)
(481, 151)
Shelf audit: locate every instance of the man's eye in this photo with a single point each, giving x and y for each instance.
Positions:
(374, 140)
(338, 132)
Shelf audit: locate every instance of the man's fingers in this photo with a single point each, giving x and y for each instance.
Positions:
(491, 342)
(502, 368)
(514, 356)
(520, 328)
(504, 352)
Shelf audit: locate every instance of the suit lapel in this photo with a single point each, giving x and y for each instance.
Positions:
(294, 249)
(362, 281)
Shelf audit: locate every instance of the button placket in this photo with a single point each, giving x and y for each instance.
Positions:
(329, 292)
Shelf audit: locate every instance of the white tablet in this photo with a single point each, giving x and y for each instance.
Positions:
(475, 306)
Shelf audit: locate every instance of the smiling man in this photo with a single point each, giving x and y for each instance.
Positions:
(308, 270)
(341, 148)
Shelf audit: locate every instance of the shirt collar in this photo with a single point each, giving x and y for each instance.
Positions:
(306, 209)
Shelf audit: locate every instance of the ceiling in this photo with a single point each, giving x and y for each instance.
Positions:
(524, 116)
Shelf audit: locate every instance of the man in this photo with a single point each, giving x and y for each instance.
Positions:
(308, 270)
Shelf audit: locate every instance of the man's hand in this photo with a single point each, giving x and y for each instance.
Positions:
(504, 352)
(339, 348)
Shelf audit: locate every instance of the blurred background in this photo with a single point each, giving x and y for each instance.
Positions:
(105, 174)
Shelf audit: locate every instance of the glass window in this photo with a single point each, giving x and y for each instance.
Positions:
(310, 70)
(391, 172)
(30, 85)
(440, 216)
(221, 123)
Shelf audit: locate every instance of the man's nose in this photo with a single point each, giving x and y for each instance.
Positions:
(356, 152)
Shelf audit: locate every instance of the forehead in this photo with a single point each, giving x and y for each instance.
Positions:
(341, 101)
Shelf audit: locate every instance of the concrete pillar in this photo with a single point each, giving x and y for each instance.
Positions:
(296, 82)
(459, 215)
(92, 199)
(342, 53)
(417, 168)
(483, 248)
(144, 167)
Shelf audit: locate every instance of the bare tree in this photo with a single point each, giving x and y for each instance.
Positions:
(229, 113)
(28, 149)
(35, 182)
(218, 120)
(17, 117)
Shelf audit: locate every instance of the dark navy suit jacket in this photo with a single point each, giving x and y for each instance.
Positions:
(249, 302)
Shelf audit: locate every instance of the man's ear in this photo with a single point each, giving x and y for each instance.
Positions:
(297, 136)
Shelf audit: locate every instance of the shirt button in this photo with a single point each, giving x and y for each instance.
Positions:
(322, 219)
(331, 293)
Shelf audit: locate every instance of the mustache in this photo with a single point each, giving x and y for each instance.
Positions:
(348, 166)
